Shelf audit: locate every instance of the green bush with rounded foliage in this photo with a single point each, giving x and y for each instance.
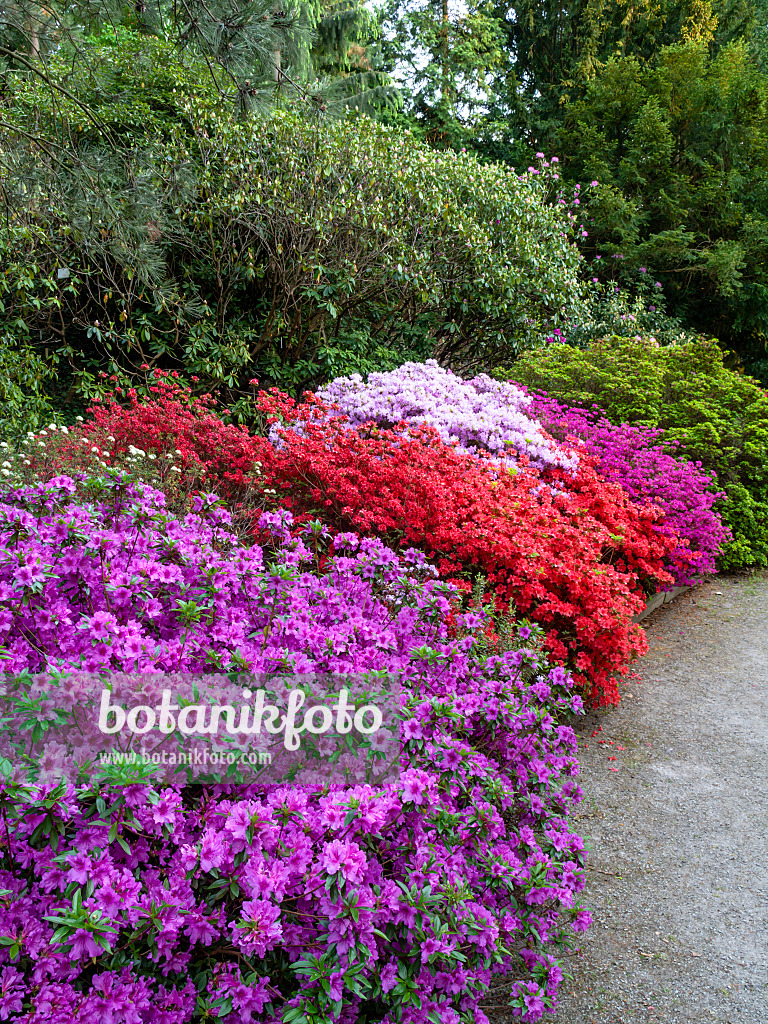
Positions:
(283, 247)
(718, 415)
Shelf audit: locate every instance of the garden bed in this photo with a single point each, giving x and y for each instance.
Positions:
(420, 531)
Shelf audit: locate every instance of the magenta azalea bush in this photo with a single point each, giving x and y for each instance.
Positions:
(124, 900)
(119, 584)
(641, 459)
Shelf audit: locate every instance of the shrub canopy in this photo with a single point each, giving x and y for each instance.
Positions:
(283, 247)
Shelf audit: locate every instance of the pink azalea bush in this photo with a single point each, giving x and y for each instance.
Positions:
(123, 900)
(642, 460)
(118, 584)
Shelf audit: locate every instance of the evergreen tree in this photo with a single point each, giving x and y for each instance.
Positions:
(495, 76)
(347, 60)
(679, 146)
(553, 50)
(254, 54)
(444, 60)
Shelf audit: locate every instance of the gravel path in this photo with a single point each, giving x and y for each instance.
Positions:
(678, 823)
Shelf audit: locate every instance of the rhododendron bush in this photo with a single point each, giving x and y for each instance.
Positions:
(568, 548)
(127, 900)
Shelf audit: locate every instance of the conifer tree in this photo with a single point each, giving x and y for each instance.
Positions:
(444, 57)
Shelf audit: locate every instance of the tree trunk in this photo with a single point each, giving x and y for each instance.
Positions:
(446, 76)
(34, 41)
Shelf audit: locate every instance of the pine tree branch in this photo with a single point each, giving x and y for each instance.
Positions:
(49, 81)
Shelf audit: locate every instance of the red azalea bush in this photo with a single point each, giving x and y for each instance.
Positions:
(178, 438)
(572, 557)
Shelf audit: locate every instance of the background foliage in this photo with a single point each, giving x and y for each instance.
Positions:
(663, 104)
(150, 223)
(679, 145)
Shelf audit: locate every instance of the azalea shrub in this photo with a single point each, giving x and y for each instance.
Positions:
(641, 461)
(478, 413)
(126, 900)
(717, 416)
(114, 582)
(498, 417)
(568, 548)
(163, 433)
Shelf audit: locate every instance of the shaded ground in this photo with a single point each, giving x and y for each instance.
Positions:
(676, 812)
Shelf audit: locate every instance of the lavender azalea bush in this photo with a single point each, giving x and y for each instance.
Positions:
(478, 413)
(123, 899)
(641, 459)
(119, 584)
